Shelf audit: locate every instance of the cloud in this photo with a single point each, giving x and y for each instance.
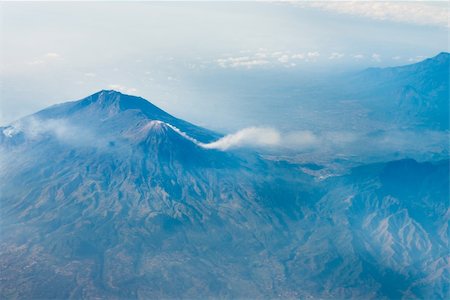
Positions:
(268, 137)
(36, 62)
(336, 55)
(375, 144)
(314, 54)
(252, 136)
(263, 57)
(358, 56)
(284, 58)
(299, 140)
(52, 55)
(257, 137)
(298, 56)
(277, 53)
(35, 128)
(416, 59)
(376, 57)
(243, 61)
(271, 138)
(121, 88)
(90, 74)
(421, 13)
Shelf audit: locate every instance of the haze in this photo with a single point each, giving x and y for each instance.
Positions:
(188, 58)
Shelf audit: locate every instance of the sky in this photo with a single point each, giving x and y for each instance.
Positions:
(177, 54)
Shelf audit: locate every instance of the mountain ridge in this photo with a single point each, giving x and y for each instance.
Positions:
(110, 103)
(440, 59)
(110, 197)
(151, 214)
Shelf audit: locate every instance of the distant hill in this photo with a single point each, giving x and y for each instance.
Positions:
(415, 95)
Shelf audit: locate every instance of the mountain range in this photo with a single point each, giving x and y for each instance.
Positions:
(409, 97)
(110, 197)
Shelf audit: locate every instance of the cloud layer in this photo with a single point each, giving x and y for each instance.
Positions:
(267, 137)
(332, 142)
(252, 136)
(35, 129)
(421, 13)
(324, 144)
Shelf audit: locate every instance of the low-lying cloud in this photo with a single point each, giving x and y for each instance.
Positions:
(416, 13)
(252, 136)
(64, 131)
(334, 142)
(324, 143)
(265, 137)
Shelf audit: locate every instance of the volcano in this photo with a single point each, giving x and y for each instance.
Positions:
(110, 197)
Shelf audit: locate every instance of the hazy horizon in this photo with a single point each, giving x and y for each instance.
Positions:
(179, 55)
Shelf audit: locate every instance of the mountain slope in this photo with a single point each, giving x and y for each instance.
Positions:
(114, 105)
(417, 93)
(104, 198)
(410, 97)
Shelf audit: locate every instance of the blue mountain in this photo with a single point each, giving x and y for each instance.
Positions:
(110, 197)
(417, 95)
(113, 103)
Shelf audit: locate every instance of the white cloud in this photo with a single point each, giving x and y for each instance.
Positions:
(121, 88)
(358, 56)
(304, 140)
(300, 139)
(336, 55)
(284, 58)
(44, 59)
(376, 57)
(52, 55)
(252, 136)
(406, 12)
(277, 53)
(333, 142)
(314, 54)
(263, 57)
(267, 137)
(35, 128)
(36, 62)
(238, 62)
(89, 74)
(396, 57)
(298, 56)
(416, 59)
